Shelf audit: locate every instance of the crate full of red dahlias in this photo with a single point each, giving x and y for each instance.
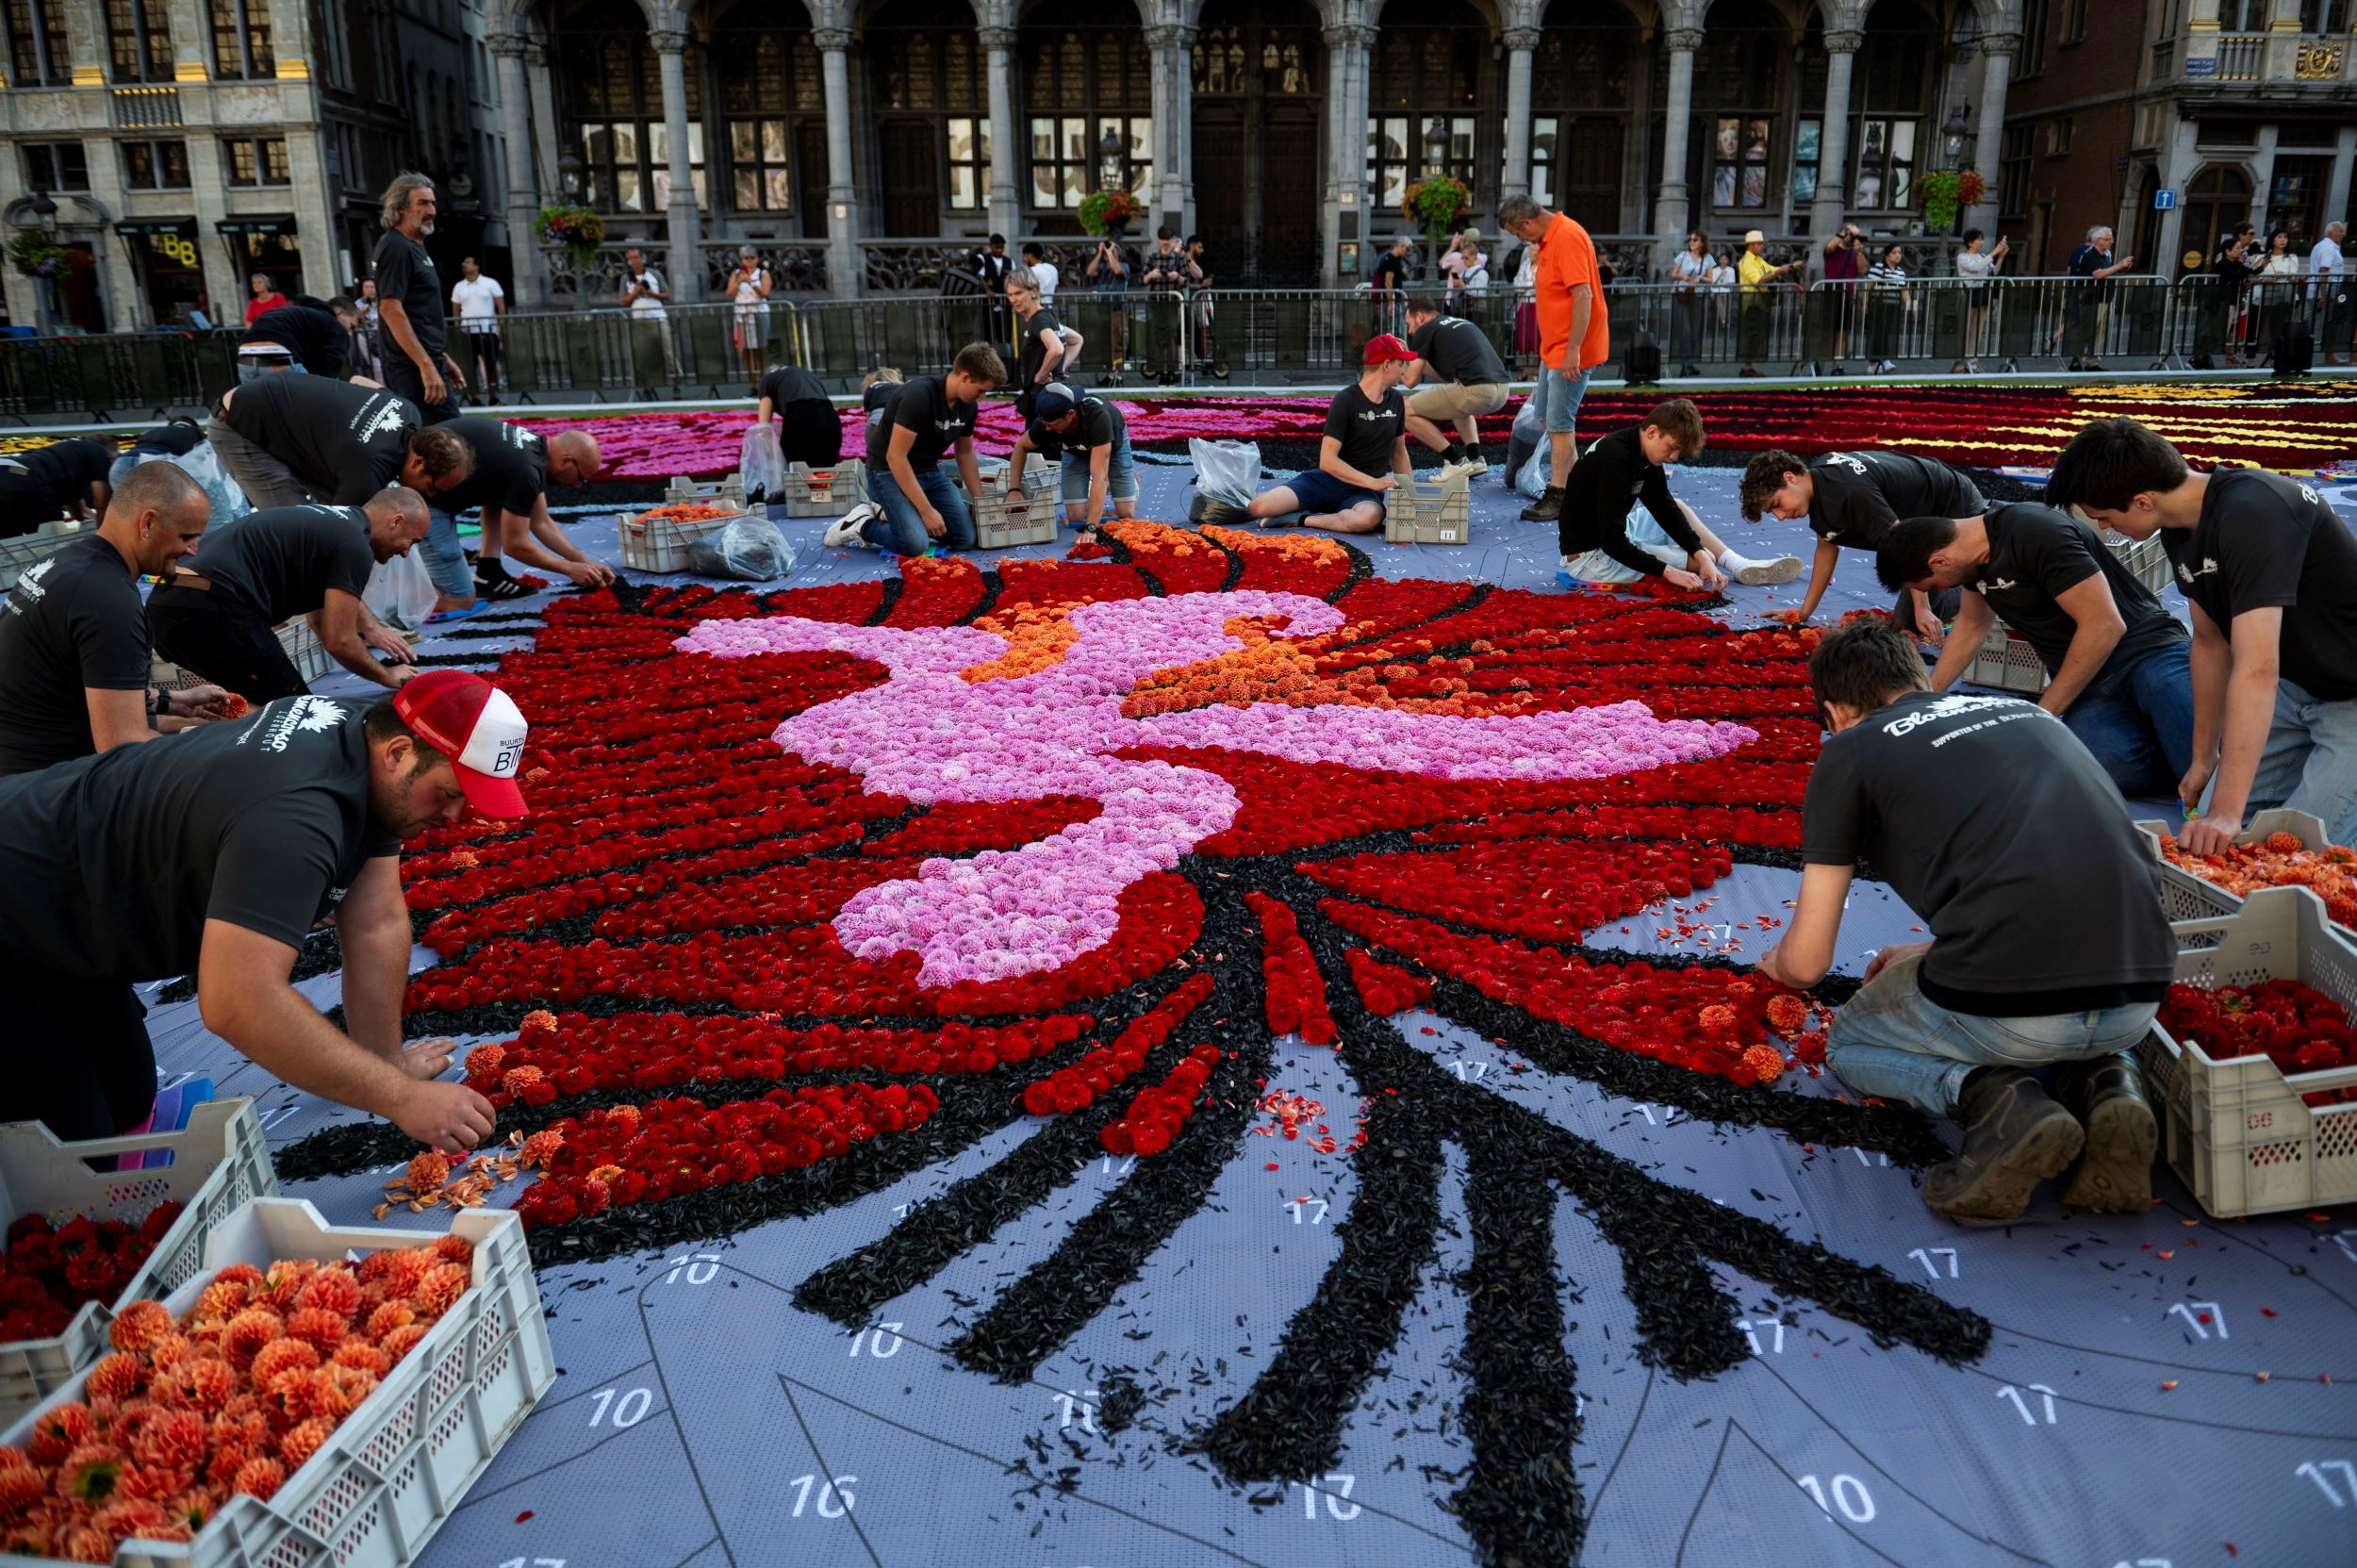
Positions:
(317, 1396)
(83, 1244)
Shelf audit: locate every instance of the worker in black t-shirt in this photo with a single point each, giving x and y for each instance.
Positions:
(75, 670)
(1601, 546)
(508, 474)
(913, 508)
(217, 614)
(1045, 343)
(62, 479)
(306, 334)
(214, 856)
(1468, 380)
(290, 438)
(809, 429)
(2270, 572)
(1362, 453)
(1090, 440)
(2116, 660)
(1851, 499)
(2048, 949)
(409, 296)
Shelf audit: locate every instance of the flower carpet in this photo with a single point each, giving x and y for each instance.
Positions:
(1241, 1050)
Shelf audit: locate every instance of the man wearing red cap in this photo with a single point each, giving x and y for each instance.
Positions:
(215, 853)
(1362, 453)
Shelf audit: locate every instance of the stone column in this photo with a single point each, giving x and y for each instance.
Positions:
(843, 269)
(1671, 207)
(1172, 49)
(529, 285)
(1006, 201)
(685, 224)
(1346, 150)
(537, 76)
(1520, 43)
(1833, 161)
(1989, 138)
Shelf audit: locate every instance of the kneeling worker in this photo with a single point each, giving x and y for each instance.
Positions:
(216, 615)
(1362, 453)
(290, 438)
(64, 478)
(2115, 660)
(1851, 499)
(1091, 439)
(911, 506)
(74, 671)
(1469, 381)
(2048, 948)
(509, 470)
(2271, 574)
(219, 852)
(1593, 532)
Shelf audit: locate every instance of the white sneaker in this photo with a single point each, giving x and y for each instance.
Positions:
(1477, 464)
(1761, 574)
(1456, 472)
(844, 532)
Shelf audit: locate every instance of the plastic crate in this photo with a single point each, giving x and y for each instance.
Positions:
(219, 1162)
(711, 492)
(397, 1468)
(1422, 512)
(660, 545)
(808, 492)
(999, 524)
(2005, 662)
(2148, 563)
(2236, 1130)
(18, 553)
(2188, 896)
(311, 658)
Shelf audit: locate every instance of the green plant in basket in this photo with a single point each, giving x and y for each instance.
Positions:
(35, 254)
(580, 230)
(1947, 192)
(1109, 211)
(1435, 205)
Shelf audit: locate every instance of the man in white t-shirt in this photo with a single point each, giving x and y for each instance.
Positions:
(2329, 272)
(477, 302)
(645, 291)
(1043, 270)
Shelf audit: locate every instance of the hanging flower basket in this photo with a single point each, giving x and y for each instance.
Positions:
(1109, 211)
(577, 229)
(1947, 192)
(35, 254)
(1435, 205)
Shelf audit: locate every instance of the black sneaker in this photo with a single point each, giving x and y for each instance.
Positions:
(1547, 509)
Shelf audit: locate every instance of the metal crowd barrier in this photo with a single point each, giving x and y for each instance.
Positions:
(113, 375)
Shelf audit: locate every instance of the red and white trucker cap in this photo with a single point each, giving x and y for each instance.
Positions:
(478, 727)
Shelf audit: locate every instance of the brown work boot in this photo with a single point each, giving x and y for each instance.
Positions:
(2115, 1173)
(2014, 1138)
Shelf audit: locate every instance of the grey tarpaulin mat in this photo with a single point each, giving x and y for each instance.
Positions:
(701, 1419)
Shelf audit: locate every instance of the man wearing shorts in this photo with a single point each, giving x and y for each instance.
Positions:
(1362, 453)
(1601, 545)
(1468, 380)
(1574, 338)
(1094, 443)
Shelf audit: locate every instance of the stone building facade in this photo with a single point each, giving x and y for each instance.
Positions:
(182, 146)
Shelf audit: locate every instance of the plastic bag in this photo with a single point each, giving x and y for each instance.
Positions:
(1530, 434)
(400, 592)
(760, 466)
(1225, 470)
(750, 548)
(228, 503)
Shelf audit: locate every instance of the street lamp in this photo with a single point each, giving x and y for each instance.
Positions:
(1111, 161)
(569, 172)
(1436, 147)
(1951, 134)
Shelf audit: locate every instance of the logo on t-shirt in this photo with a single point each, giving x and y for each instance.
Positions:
(30, 587)
(282, 723)
(1946, 707)
(2186, 573)
(1375, 413)
(1998, 585)
(381, 416)
(1852, 464)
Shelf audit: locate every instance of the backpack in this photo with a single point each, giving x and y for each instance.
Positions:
(1641, 364)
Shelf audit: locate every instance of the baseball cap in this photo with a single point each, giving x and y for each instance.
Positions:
(1755, 238)
(1383, 346)
(1053, 402)
(478, 727)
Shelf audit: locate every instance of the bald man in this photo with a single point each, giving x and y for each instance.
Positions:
(216, 615)
(513, 468)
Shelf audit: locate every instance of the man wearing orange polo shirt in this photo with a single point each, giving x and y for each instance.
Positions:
(1573, 337)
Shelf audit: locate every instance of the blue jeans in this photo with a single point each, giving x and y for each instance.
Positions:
(445, 559)
(1890, 1042)
(898, 528)
(2310, 761)
(2139, 721)
(1559, 398)
(1121, 476)
(250, 371)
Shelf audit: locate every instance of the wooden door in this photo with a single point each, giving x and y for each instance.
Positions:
(1589, 184)
(912, 177)
(811, 177)
(1289, 195)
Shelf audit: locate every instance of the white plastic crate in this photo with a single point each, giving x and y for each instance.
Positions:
(18, 553)
(660, 545)
(2188, 896)
(1422, 512)
(999, 524)
(2236, 1130)
(2006, 663)
(808, 492)
(717, 493)
(219, 1163)
(2148, 563)
(378, 1489)
(311, 658)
